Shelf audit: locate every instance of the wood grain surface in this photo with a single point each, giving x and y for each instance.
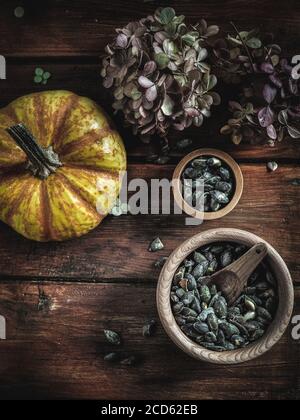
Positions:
(118, 249)
(57, 298)
(56, 345)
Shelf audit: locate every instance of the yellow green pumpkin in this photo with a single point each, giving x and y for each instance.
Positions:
(61, 163)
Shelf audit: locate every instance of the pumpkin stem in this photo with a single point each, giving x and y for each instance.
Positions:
(42, 162)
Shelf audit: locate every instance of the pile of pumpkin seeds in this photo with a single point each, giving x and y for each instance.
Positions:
(202, 312)
(215, 177)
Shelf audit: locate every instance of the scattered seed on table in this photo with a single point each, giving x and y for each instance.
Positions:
(112, 337)
(19, 12)
(156, 245)
(272, 166)
(129, 361)
(112, 357)
(149, 328)
(161, 262)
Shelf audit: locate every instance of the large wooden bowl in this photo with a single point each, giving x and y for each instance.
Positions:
(254, 350)
(177, 184)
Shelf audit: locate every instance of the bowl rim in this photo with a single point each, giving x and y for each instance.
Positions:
(252, 351)
(239, 184)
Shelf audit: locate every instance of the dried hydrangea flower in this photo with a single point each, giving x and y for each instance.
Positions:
(157, 71)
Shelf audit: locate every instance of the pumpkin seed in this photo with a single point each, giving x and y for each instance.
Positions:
(218, 183)
(156, 245)
(112, 357)
(224, 174)
(200, 269)
(212, 322)
(188, 312)
(178, 307)
(226, 259)
(263, 313)
(201, 327)
(210, 337)
(180, 320)
(191, 282)
(180, 293)
(196, 305)
(129, 361)
(220, 308)
(214, 163)
(161, 262)
(205, 294)
(199, 258)
(202, 312)
(249, 316)
(272, 166)
(149, 328)
(188, 298)
(249, 304)
(258, 333)
(237, 340)
(112, 337)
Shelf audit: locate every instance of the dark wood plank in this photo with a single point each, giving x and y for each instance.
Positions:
(118, 249)
(84, 79)
(55, 347)
(63, 28)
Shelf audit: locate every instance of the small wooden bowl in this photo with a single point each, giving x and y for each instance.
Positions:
(177, 184)
(254, 350)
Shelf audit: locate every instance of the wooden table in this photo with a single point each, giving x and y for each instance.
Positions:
(57, 298)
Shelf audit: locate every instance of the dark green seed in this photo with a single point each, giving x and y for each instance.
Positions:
(156, 245)
(112, 357)
(263, 313)
(191, 282)
(189, 331)
(180, 293)
(161, 262)
(196, 305)
(112, 337)
(200, 269)
(199, 258)
(221, 338)
(188, 298)
(229, 329)
(220, 197)
(224, 174)
(257, 335)
(224, 187)
(229, 346)
(212, 322)
(226, 259)
(149, 328)
(188, 312)
(210, 337)
(178, 307)
(205, 294)
(201, 327)
(204, 314)
(180, 320)
(129, 361)
(220, 308)
(214, 163)
(237, 340)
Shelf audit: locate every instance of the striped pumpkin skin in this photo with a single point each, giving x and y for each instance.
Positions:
(93, 158)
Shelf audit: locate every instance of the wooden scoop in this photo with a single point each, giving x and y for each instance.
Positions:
(232, 280)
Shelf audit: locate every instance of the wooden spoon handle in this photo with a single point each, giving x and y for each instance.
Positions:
(246, 265)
